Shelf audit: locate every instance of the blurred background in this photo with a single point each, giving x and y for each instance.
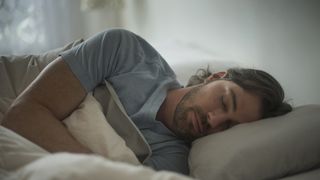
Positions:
(279, 36)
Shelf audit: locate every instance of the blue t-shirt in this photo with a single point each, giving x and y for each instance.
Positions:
(141, 79)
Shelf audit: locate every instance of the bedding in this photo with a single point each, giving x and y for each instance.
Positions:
(284, 147)
(99, 136)
(266, 149)
(121, 122)
(21, 159)
(62, 166)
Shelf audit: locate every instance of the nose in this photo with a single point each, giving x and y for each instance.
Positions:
(216, 118)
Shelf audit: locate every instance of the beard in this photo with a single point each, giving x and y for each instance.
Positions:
(183, 126)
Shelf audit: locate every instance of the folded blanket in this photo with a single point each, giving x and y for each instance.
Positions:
(90, 127)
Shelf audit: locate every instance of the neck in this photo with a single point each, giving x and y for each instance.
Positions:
(166, 112)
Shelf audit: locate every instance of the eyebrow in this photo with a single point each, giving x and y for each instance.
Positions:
(234, 100)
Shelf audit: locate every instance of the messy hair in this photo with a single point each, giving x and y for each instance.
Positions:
(254, 81)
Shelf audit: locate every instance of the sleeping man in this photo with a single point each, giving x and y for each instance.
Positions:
(168, 115)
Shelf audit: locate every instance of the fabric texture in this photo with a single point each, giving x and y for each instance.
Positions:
(16, 151)
(267, 149)
(90, 127)
(141, 79)
(121, 122)
(63, 166)
(313, 174)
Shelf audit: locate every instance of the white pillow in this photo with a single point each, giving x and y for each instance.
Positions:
(90, 127)
(266, 149)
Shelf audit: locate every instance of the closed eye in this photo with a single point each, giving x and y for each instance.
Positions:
(224, 106)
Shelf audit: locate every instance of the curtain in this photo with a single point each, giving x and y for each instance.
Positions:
(34, 26)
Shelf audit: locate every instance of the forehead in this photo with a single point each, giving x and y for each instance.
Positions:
(222, 84)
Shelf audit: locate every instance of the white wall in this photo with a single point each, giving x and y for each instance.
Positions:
(279, 36)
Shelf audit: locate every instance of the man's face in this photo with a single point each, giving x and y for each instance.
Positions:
(214, 107)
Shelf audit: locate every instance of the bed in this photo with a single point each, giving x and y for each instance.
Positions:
(285, 147)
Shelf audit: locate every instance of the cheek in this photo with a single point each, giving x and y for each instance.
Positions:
(209, 103)
(183, 122)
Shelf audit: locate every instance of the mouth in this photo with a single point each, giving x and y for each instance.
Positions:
(197, 123)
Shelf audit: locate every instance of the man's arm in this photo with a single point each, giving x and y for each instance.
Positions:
(37, 113)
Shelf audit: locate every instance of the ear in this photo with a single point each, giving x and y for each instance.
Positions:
(217, 75)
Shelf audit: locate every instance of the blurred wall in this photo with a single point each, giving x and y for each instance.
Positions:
(279, 36)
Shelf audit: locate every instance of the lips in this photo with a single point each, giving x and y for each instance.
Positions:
(197, 123)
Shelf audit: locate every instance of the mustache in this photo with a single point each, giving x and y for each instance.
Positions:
(202, 117)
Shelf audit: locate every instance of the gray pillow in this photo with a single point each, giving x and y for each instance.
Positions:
(266, 149)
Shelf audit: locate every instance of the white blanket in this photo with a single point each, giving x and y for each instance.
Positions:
(90, 127)
(64, 166)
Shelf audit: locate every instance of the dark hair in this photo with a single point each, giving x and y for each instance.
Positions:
(255, 81)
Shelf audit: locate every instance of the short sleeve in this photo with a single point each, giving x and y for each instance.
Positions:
(107, 54)
(171, 159)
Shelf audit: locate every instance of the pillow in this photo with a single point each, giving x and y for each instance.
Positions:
(265, 149)
(89, 126)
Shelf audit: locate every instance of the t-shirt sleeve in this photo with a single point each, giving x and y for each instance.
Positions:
(105, 55)
(174, 159)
